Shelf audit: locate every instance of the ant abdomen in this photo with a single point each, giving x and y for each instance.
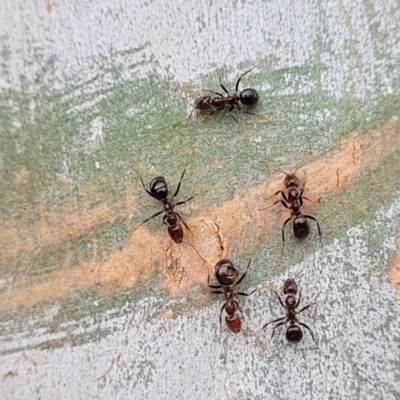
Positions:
(176, 233)
(233, 323)
(294, 334)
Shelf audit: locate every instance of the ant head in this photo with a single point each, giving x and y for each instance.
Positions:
(225, 272)
(159, 188)
(294, 334)
(248, 97)
(291, 180)
(290, 286)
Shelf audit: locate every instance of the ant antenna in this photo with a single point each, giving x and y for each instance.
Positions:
(192, 151)
(268, 164)
(262, 61)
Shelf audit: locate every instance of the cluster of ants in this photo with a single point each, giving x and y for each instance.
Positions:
(226, 273)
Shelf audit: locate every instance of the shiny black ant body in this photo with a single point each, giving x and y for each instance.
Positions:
(293, 201)
(294, 334)
(246, 97)
(159, 191)
(226, 274)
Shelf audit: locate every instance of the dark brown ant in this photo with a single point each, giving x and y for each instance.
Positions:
(226, 274)
(159, 191)
(294, 334)
(294, 201)
(246, 97)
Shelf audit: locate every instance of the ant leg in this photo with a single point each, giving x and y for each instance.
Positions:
(283, 195)
(148, 219)
(313, 337)
(204, 260)
(225, 346)
(272, 322)
(272, 122)
(273, 331)
(279, 297)
(185, 201)
(211, 91)
(309, 329)
(190, 244)
(183, 174)
(223, 87)
(244, 274)
(190, 198)
(252, 333)
(246, 294)
(241, 76)
(301, 197)
(307, 306)
(285, 205)
(215, 291)
(136, 167)
(238, 307)
(319, 229)
(283, 236)
(245, 130)
(298, 301)
(278, 201)
(148, 191)
(166, 255)
(213, 286)
(208, 116)
(220, 317)
(183, 222)
(183, 120)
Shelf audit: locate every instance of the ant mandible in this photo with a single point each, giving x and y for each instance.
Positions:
(246, 97)
(226, 274)
(159, 191)
(294, 333)
(293, 201)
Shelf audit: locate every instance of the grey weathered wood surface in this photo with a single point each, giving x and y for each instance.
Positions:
(87, 86)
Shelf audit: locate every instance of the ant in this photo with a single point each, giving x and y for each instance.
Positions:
(226, 274)
(293, 201)
(159, 191)
(246, 97)
(294, 333)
